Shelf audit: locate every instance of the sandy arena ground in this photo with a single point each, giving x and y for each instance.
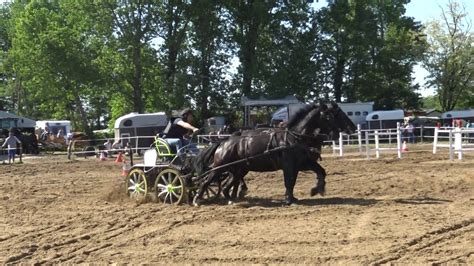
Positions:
(415, 210)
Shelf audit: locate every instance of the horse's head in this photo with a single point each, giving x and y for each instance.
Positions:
(313, 119)
(342, 123)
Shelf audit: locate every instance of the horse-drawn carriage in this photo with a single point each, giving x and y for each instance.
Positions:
(173, 175)
(167, 172)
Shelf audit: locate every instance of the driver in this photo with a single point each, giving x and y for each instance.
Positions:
(179, 129)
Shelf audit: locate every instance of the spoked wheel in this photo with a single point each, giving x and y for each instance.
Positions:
(170, 187)
(213, 191)
(136, 184)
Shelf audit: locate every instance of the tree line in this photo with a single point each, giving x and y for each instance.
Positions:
(93, 61)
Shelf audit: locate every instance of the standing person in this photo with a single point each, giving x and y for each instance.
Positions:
(45, 135)
(411, 132)
(11, 141)
(177, 131)
(108, 147)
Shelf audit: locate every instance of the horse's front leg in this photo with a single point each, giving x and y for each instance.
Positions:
(320, 187)
(290, 174)
(243, 189)
(203, 187)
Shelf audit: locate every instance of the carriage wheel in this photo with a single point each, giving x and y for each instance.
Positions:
(170, 187)
(136, 184)
(213, 191)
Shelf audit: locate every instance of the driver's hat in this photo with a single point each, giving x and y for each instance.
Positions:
(186, 112)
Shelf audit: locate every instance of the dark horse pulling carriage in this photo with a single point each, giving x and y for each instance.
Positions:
(292, 149)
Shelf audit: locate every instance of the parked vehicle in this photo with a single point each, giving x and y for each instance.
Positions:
(385, 119)
(145, 126)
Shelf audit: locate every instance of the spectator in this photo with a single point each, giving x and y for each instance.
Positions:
(44, 136)
(108, 147)
(11, 142)
(410, 129)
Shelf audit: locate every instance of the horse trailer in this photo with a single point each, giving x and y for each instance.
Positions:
(56, 127)
(385, 119)
(466, 115)
(138, 130)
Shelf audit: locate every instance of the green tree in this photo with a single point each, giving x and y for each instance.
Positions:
(249, 19)
(286, 63)
(135, 24)
(173, 32)
(209, 58)
(369, 49)
(53, 57)
(449, 59)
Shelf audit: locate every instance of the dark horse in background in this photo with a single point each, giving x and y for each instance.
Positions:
(291, 149)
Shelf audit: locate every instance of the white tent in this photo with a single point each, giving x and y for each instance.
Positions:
(281, 114)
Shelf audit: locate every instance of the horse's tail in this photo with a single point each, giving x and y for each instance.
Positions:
(204, 159)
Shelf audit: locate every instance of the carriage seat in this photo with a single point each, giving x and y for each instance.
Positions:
(166, 147)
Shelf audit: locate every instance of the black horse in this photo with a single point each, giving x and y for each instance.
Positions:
(290, 149)
(342, 124)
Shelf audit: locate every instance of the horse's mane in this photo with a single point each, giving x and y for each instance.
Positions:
(300, 115)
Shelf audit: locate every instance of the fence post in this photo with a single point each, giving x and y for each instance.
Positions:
(451, 144)
(341, 144)
(458, 141)
(399, 136)
(367, 148)
(21, 154)
(333, 147)
(359, 138)
(421, 133)
(435, 140)
(377, 147)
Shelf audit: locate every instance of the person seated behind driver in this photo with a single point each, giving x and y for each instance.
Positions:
(180, 128)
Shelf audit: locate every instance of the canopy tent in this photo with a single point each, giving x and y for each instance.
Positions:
(249, 103)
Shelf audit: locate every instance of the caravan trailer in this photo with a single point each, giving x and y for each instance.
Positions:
(357, 112)
(385, 119)
(55, 126)
(135, 125)
(466, 115)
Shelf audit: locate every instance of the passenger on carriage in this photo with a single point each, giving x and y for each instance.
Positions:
(177, 130)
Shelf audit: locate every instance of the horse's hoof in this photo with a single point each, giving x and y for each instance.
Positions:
(242, 194)
(317, 190)
(230, 202)
(196, 202)
(291, 201)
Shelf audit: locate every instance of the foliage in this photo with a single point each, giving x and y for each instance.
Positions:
(450, 58)
(93, 61)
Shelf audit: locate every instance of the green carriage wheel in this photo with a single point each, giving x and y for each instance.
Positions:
(170, 187)
(136, 184)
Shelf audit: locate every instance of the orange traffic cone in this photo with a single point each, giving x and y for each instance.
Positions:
(119, 158)
(404, 146)
(125, 169)
(102, 156)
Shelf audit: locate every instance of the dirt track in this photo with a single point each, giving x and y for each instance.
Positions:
(415, 210)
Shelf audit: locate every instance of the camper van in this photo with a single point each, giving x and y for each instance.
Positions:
(385, 119)
(134, 124)
(63, 127)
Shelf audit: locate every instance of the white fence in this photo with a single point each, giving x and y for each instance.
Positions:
(364, 138)
(456, 144)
